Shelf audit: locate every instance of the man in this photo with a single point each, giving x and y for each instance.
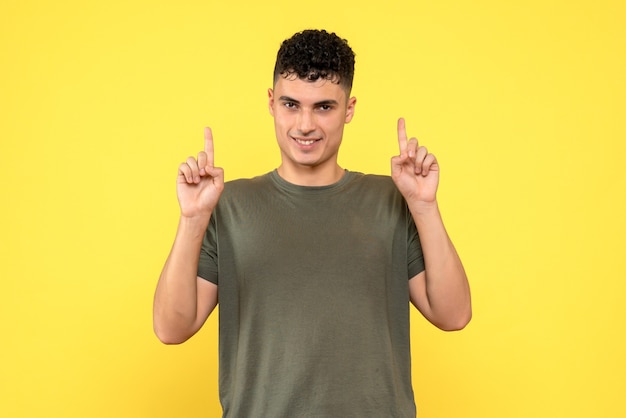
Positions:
(315, 264)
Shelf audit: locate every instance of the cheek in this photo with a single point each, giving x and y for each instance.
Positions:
(336, 126)
(281, 118)
(281, 126)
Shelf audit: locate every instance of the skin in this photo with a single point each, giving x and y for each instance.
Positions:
(309, 112)
(309, 118)
(441, 292)
(183, 301)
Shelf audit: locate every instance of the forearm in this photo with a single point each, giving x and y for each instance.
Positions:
(446, 288)
(175, 312)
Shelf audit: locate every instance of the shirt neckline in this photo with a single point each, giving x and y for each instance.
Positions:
(283, 184)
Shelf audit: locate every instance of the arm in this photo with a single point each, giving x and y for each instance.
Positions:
(441, 292)
(183, 301)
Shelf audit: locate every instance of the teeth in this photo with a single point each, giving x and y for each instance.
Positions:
(299, 141)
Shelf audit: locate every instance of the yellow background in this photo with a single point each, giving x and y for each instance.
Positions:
(524, 103)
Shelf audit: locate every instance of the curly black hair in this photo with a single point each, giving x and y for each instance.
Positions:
(316, 54)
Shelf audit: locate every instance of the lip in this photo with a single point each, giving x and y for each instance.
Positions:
(306, 142)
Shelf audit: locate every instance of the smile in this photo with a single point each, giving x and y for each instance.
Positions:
(305, 141)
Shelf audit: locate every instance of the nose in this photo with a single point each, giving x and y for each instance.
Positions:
(306, 122)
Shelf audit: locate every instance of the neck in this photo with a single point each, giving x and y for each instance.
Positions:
(311, 176)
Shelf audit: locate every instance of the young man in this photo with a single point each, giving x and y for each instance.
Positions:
(315, 264)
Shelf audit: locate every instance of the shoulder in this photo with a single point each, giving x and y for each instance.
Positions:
(375, 183)
(244, 193)
(246, 185)
(374, 191)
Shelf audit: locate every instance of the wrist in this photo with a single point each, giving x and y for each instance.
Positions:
(194, 225)
(197, 213)
(424, 208)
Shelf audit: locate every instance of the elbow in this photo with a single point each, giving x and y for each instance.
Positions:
(172, 329)
(457, 323)
(168, 340)
(169, 337)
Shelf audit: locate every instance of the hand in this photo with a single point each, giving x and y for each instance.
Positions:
(415, 172)
(199, 184)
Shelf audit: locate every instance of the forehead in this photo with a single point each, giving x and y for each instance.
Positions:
(309, 91)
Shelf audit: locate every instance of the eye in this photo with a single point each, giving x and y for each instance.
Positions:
(325, 107)
(290, 105)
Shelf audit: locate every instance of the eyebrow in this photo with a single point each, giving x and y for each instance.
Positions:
(321, 103)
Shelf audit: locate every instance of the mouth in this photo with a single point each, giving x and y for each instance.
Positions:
(306, 142)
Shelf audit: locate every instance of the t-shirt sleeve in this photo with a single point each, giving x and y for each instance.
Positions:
(208, 264)
(415, 256)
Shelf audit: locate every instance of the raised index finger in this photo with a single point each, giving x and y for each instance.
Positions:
(208, 145)
(402, 139)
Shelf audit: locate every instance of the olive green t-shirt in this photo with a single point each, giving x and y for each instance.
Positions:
(313, 297)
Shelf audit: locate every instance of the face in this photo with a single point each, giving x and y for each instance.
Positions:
(309, 118)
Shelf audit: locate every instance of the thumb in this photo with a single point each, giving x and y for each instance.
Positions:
(217, 175)
(396, 165)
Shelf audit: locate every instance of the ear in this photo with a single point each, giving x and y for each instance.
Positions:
(270, 102)
(350, 109)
